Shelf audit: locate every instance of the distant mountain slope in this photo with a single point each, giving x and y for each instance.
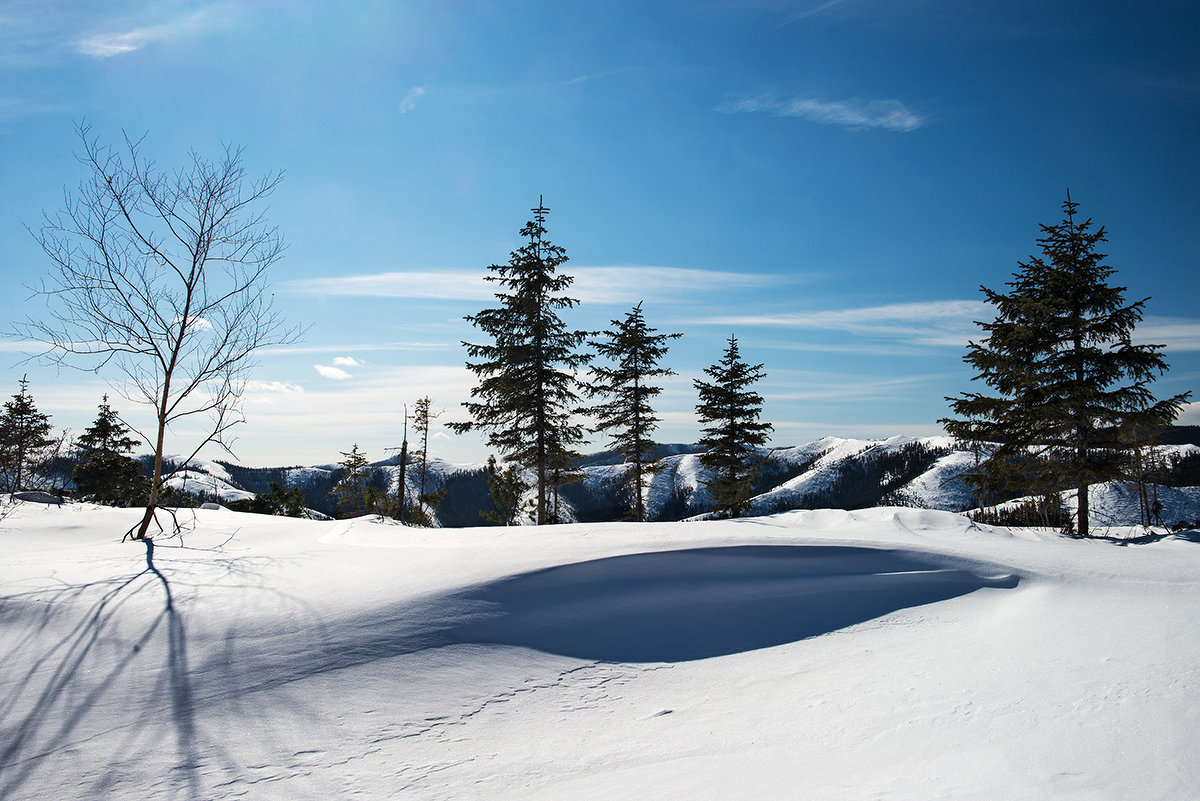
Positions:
(832, 472)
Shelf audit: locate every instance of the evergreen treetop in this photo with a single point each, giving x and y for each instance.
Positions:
(107, 434)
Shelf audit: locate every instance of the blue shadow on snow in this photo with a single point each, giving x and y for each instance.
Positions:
(674, 606)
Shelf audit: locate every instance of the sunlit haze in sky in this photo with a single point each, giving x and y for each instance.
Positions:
(829, 180)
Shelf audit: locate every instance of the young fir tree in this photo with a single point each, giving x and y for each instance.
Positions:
(350, 492)
(281, 501)
(1067, 374)
(636, 349)
(729, 411)
(25, 440)
(506, 487)
(105, 474)
(527, 391)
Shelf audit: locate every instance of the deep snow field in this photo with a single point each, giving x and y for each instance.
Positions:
(879, 654)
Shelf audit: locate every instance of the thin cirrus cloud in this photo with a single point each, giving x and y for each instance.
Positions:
(108, 45)
(935, 323)
(292, 350)
(409, 102)
(889, 115)
(606, 285)
(1173, 333)
(804, 14)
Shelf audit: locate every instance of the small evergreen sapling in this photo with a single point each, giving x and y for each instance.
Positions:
(507, 488)
(106, 474)
(25, 441)
(350, 493)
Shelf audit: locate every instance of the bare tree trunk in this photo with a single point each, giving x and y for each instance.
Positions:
(403, 471)
(1082, 495)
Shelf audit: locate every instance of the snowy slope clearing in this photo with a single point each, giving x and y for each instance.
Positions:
(883, 653)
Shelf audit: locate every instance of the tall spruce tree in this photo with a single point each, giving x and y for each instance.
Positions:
(636, 349)
(25, 440)
(1069, 378)
(729, 411)
(105, 473)
(528, 392)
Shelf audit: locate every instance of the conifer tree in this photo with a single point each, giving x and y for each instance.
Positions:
(280, 500)
(507, 487)
(350, 492)
(627, 415)
(105, 473)
(1060, 356)
(25, 440)
(730, 412)
(528, 391)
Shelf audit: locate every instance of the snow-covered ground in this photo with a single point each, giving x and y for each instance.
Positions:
(885, 653)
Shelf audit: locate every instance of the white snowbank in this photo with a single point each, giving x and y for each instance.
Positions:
(825, 654)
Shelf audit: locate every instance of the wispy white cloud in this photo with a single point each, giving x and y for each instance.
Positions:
(335, 373)
(890, 115)
(24, 346)
(291, 350)
(794, 385)
(409, 102)
(627, 285)
(814, 10)
(933, 323)
(869, 348)
(417, 284)
(605, 285)
(271, 387)
(107, 45)
(347, 361)
(15, 108)
(1176, 333)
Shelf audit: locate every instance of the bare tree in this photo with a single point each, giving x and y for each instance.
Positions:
(161, 277)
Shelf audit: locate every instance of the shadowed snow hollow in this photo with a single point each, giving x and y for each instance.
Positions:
(674, 606)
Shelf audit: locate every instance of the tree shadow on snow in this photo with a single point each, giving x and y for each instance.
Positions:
(97, 664)
(675, 606)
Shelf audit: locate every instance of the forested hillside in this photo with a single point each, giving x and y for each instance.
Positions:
(832, 472)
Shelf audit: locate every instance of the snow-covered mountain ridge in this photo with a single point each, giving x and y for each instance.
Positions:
(832, 472)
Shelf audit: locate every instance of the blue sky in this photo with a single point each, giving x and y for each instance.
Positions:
(830, 181)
